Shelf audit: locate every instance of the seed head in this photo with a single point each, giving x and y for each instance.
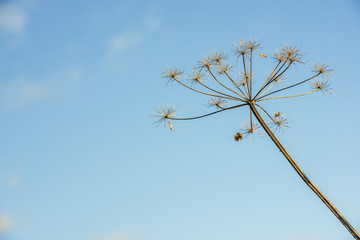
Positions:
(279, 122)
(217, 57)
(172, 74)
(225, 68)
(322, 69)
(219, 103)
(279, 79)
(238, 136)
(279, 56)
(206, 63)
(246, 77)
(196, 77)
(322, 86)
(249, 129)
(164, 116)
(292, 54)
(241, 50)
(252, 45)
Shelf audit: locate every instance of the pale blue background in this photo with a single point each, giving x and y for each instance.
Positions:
(80, 157)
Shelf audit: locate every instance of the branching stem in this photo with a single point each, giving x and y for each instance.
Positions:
(223, 84)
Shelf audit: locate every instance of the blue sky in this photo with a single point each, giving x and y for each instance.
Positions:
(80, 157)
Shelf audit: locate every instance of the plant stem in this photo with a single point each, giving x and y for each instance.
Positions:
(332, 208)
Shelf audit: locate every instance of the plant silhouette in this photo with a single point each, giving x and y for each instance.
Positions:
(242, 92)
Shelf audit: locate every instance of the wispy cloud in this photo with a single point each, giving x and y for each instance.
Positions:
(124, 42)
(130, 40)
(152, 21)
(12, 18)
(19, 93)
(6, 224)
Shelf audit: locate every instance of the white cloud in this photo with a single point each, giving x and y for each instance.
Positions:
(5, 223)
(12, 18)
(149, 25)
(18, 93)
(124, 42)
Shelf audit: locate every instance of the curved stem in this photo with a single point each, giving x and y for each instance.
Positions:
(263, 86)
(297, 95)
(209, 94)
(298, 170)
(265, 112)
(223, 109)
(215, 90)
(211, 73)
(231, 79)
(294, 85)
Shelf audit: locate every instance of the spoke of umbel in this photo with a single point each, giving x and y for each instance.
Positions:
(326, 201)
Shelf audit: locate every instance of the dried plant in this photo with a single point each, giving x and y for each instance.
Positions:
(242, 93)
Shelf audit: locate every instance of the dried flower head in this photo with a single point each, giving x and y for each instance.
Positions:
(196, 77)
(242, 82)
(295, 58)
(241, 50)
(322, 86)
(279, 56)
(322, 69)
(250, 129)
(246, 77)
(218, 57)
(290, 50)
(225, 68)
(252, 45)
(172, 73)
(279, 79)
(279, 122)
(219, 103)
(225, 89)
(206, 63)
(292, 54)
(165, 116)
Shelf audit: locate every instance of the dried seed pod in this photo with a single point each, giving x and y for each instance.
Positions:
(263, 55)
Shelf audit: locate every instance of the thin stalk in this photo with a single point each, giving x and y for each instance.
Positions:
(251, 60)
(209, 94)
(205, 115)
(215, 90)
(294, 85)
(265, 112)
(298, 95)
(223, 84)
(263, 86)
(266, 89)
(273, 78)
(246, 79)
(275, 74)
(231, 79)
(298, 170)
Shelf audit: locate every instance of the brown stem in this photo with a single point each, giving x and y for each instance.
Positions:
(326, 201)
